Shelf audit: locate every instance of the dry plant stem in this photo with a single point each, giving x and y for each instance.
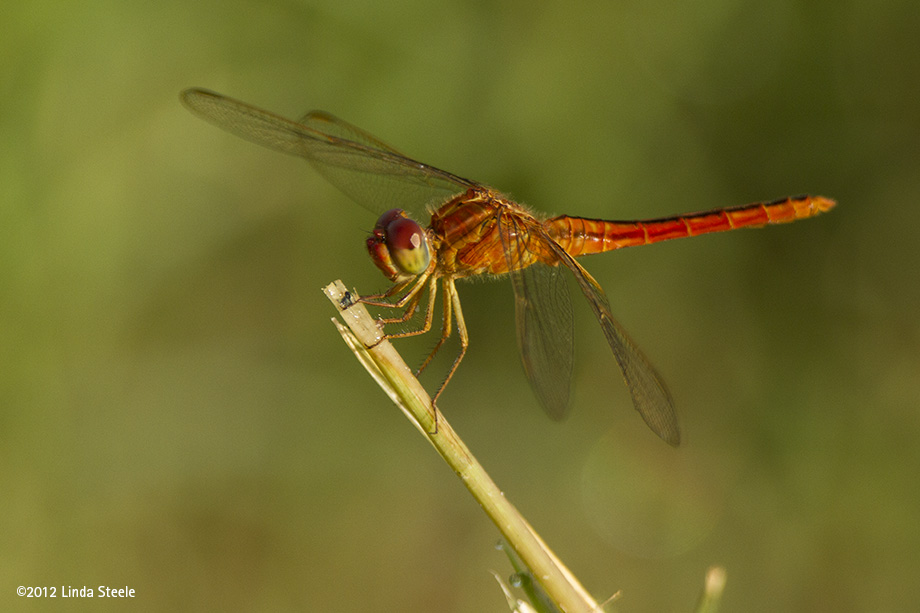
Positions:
(711, 597)
(391, 373)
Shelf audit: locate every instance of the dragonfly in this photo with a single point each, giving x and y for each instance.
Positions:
(474, 230)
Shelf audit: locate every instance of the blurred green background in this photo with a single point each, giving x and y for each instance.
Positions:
(178, 415)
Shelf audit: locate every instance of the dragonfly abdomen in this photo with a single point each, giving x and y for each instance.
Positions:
(582, 236)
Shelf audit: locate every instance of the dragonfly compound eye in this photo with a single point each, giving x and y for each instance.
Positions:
(408, 245)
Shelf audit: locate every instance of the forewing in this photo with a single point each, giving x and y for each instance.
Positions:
(543, 318)
(650, 396)
(370, 172)
(330, 125)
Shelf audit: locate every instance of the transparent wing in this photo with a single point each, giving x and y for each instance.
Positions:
(543, 318)
(370, 172)
(650, 396)
(330, 125)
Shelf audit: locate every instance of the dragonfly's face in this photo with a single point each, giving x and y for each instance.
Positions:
(399, 246)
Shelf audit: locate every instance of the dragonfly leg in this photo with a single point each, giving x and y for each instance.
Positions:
(382, 300)
(453, 298)
(411, 308)
(429, 311)
(409, 300)
(445, 330)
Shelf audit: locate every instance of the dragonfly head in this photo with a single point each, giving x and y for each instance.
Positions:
(399, 246)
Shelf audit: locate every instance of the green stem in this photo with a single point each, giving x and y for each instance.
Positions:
(390, 371)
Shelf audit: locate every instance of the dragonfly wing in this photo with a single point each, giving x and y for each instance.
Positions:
(370, 172)
(329, 124)
(544, 322)
(649, 393)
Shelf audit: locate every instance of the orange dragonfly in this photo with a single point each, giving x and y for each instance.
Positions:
(475, 230)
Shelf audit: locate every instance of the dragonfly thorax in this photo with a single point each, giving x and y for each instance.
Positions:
(399, 246)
